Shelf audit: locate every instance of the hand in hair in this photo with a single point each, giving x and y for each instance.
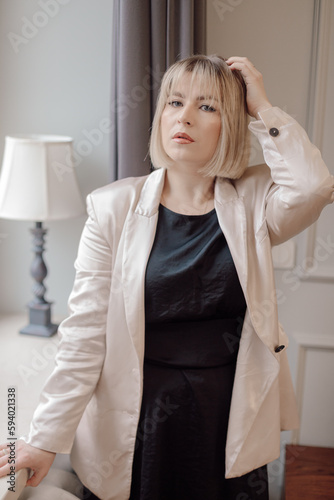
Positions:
(256, 97)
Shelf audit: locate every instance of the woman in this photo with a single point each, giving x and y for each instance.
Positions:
(183, 257)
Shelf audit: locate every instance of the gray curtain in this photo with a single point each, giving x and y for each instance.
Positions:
(149, 36)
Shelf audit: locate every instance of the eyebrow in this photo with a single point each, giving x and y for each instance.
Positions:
(199, 98)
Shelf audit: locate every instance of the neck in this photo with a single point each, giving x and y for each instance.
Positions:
(188, 193)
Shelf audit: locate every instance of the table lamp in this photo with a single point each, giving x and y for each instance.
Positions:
(38, 183)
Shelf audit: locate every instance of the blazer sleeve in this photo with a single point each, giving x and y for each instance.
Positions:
(81, 349)
(302, 185)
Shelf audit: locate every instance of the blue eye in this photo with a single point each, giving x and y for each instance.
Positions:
(206, 107)
(175, 104)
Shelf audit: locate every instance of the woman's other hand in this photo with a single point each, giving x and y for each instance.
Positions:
(25, 456)
(256, 97)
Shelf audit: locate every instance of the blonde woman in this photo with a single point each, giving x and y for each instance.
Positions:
(172, 379)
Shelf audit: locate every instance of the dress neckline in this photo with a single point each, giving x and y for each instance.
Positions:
(191, 216)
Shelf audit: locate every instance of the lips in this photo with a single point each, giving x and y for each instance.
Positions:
(183, 138)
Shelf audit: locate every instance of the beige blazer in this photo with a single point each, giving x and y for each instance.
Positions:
(90, 406)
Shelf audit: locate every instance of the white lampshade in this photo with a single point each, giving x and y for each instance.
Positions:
(38, 180)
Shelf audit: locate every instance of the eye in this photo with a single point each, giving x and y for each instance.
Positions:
(206, 107)
(175, 104)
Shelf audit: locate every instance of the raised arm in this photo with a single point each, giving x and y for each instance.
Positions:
(302, 185)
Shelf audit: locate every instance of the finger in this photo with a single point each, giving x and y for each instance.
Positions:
(4, 455)
(245, 68)
(238, 59)
(242, 64)
(36, 478)
(4, 469)
(3, 461)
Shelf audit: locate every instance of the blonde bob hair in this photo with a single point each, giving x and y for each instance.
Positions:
(232, 153)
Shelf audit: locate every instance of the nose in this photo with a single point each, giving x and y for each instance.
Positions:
(183, 120)
(185, 116)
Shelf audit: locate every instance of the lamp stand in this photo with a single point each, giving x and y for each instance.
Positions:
(39, 309)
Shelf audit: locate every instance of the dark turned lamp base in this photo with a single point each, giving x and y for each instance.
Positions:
(39, 308)
(40, 321)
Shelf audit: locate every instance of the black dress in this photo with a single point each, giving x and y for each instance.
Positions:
(194, 308)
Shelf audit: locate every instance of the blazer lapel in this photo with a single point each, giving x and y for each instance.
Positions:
(232, 219)
(139, 237)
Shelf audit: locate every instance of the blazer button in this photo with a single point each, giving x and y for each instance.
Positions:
(274, 132)
(279, 348)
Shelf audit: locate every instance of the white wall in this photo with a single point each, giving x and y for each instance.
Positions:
(55, 59)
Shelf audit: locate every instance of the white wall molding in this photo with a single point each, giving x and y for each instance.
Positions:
(307, 342)
(310, 341)
(310, 271)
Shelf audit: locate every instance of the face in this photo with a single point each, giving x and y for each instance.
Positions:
(190, 124)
